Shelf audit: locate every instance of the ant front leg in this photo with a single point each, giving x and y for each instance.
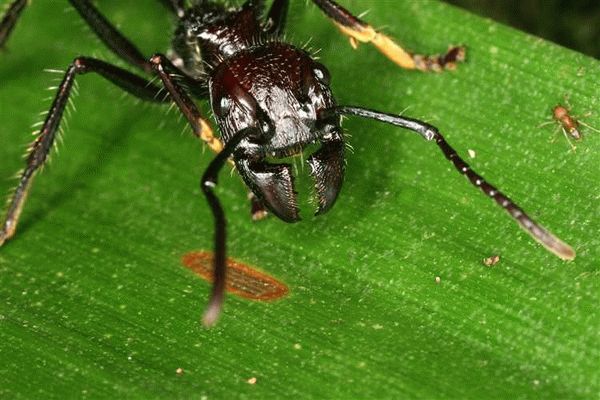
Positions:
(208, 184)
(39, 150)
(166, 71)
(164, 68)
(359, 31)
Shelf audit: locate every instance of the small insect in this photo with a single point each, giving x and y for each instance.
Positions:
(271, 100)
(568, 124)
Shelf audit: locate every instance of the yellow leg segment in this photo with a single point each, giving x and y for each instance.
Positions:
(207, 135)
(393, 51)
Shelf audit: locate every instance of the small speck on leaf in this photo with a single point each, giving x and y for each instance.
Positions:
(491, 261)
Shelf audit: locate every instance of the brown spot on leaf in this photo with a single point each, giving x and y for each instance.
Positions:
(491, 261)
(242, 280)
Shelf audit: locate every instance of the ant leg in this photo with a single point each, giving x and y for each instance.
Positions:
(100, 25)
(429, 132)
(588, 126)
(163, 67)
(13, 12)
(360, 31)
(115, 41)
(208, 183)
(39, 150)
(176, 6)
(276, 18)
(564, 131)
(123, 47)
(111, 37)
(201, 129)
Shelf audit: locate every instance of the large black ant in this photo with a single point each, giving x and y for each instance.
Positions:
(270, 99)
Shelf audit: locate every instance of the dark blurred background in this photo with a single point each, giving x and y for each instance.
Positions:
(571, 23)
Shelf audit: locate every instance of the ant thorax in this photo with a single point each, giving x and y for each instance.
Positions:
(210, 33)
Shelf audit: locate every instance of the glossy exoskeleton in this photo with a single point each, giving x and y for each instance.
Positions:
(270, 99)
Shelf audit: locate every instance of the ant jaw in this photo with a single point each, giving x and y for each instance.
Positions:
(327, 169)
(274, 183)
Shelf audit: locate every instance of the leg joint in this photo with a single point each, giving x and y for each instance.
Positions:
(156, 60)
(80, 65)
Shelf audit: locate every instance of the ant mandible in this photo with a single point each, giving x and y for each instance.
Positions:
(270, 99)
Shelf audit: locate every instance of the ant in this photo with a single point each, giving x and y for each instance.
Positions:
(270, 100)
(568, 124)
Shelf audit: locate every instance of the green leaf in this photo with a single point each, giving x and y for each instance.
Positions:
(94, 301)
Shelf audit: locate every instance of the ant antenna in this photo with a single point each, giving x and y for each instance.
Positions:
(429, 132)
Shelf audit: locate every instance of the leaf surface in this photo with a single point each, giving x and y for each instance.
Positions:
(94, 301)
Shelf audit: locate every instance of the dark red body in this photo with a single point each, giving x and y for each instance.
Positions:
(274, 89)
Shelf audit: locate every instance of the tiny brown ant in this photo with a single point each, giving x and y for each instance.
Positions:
(271, 100)
(568, 124)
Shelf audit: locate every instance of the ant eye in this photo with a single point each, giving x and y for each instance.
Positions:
(223, 107)
(322, 74)
(265, 127)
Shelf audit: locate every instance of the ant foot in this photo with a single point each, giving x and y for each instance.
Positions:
(405, 59)
(439, 62)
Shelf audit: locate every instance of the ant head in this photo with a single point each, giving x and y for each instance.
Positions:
(559, 112)
(277, 89)
(281, 94)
